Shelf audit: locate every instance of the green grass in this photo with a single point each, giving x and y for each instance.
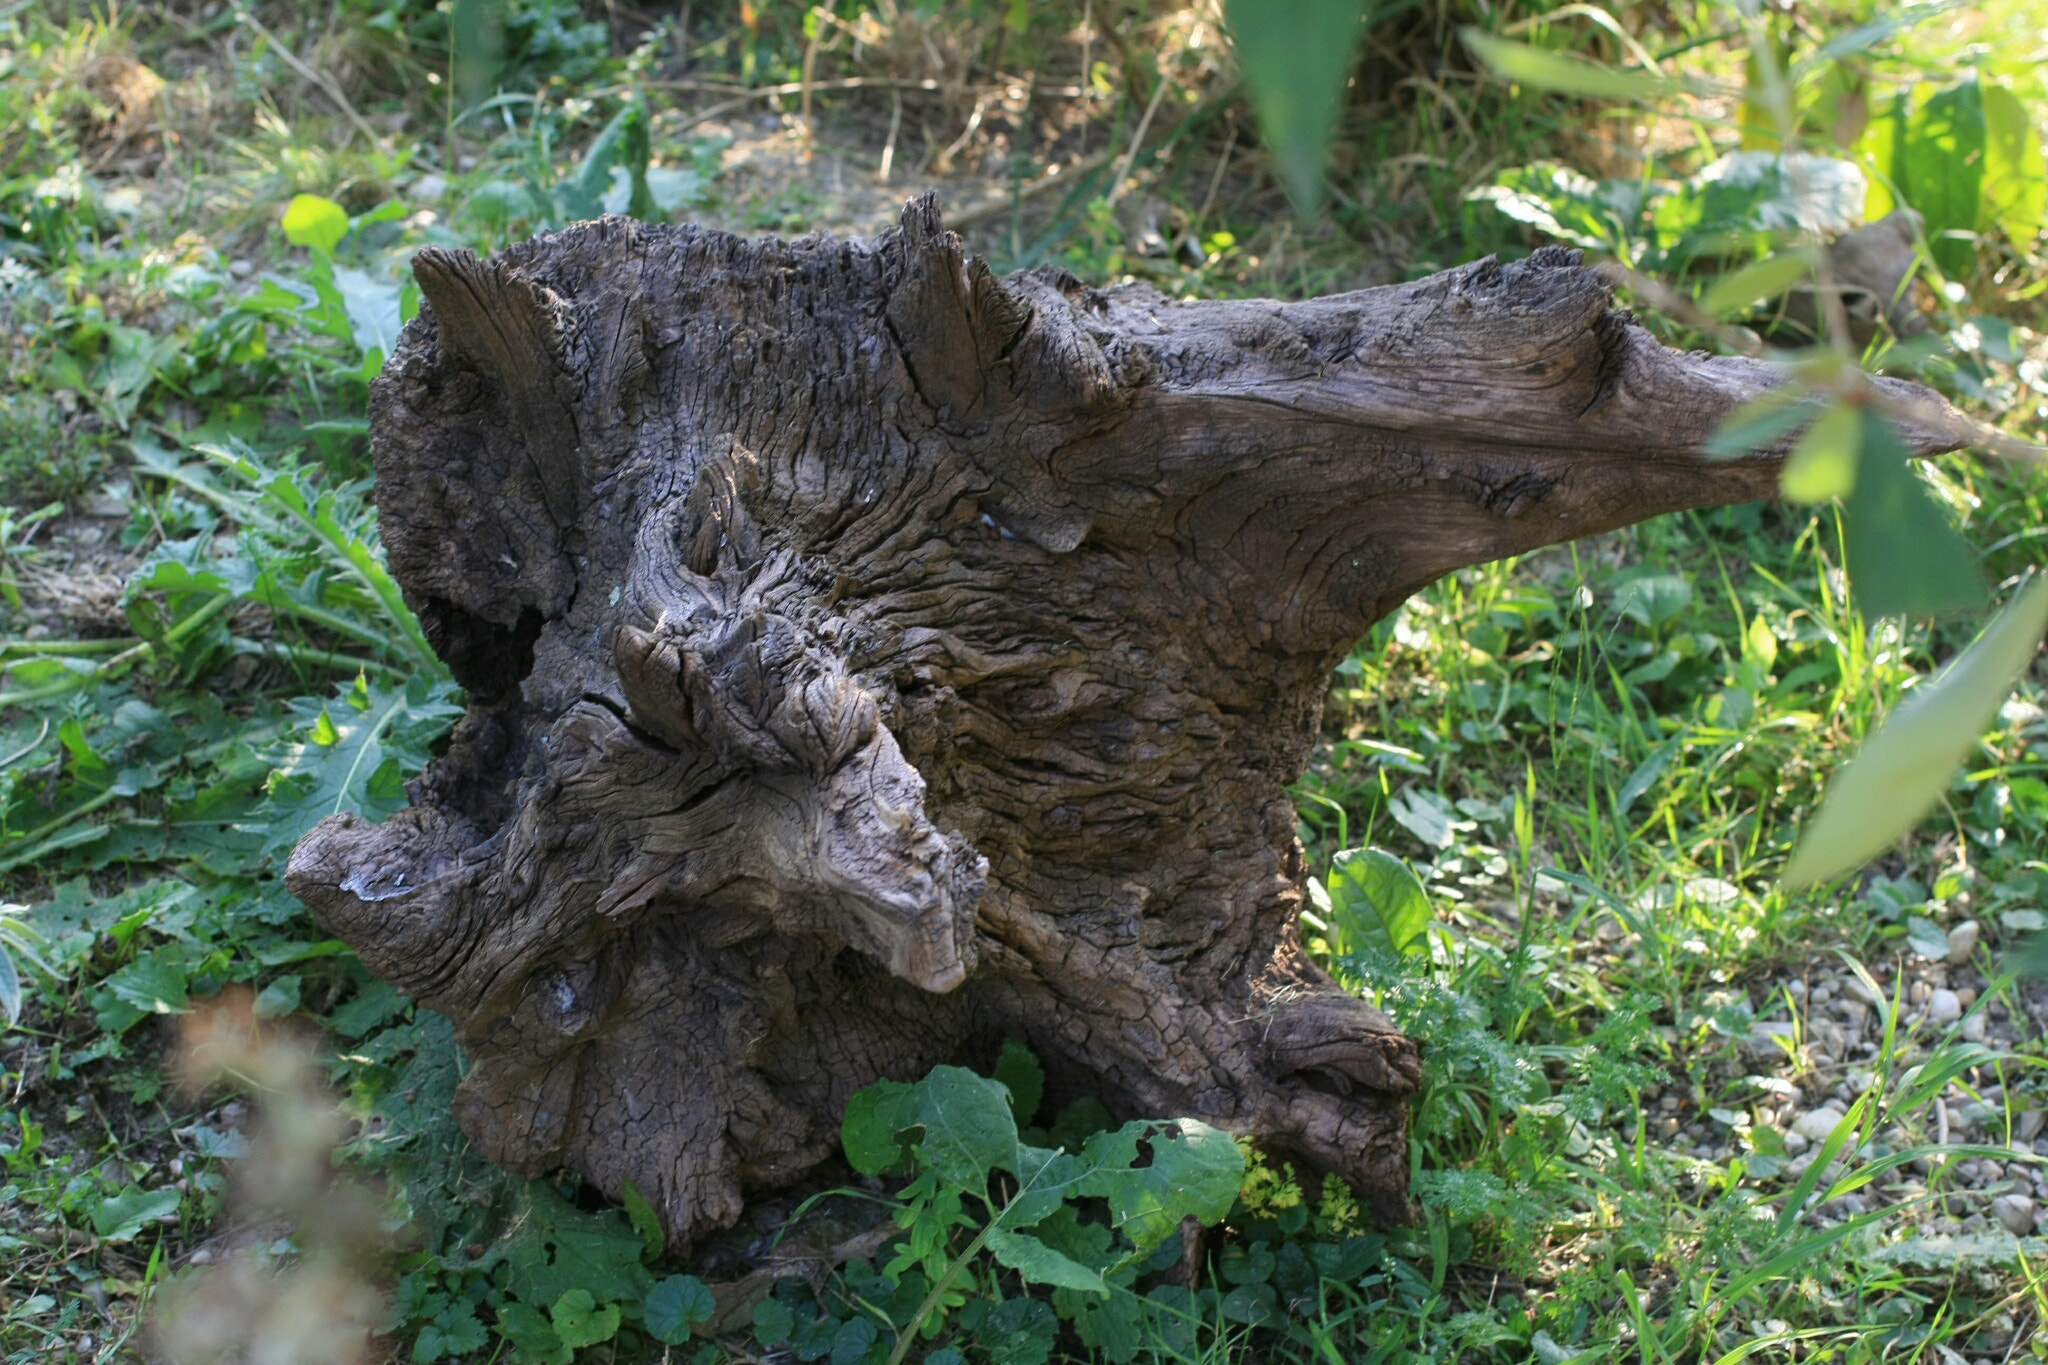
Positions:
(1596, 758)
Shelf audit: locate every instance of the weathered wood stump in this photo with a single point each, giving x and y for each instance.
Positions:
(869, 659)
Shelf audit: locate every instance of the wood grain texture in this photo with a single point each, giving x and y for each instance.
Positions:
(871, 659)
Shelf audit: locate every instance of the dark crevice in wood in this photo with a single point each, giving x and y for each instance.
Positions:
(489, 660)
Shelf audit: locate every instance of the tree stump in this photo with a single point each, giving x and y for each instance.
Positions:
(869, 659)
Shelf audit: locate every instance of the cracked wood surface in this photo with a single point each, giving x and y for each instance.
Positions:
(870, 659)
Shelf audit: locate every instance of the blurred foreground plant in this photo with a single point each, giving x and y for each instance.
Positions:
(298, 1286)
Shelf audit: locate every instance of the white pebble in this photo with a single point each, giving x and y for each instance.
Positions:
(1962, 941)
(2016, 1211)
(1944, 1007)
(1816, 1124)
(1974, 1027)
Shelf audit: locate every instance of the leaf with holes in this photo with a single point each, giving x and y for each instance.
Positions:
(1194, 1172)
(579, 1322)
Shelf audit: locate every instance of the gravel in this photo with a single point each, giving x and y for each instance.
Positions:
(2016, 1211)
(1816, 1124)
(1803, 1099)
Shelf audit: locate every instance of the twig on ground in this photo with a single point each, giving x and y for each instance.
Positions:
(305, 72)
(989, 208)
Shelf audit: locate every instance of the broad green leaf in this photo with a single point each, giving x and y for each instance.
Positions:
(121, 1217)
(1904, 555)
(279, 998)
(1566, 73)
(498, 202)
(532, 1335)
(1646, 774)
(2015, 173)
(1655, 599)
(579, 1322)
(968, 1130)
(1904, 768)
(676, 1305)
(1877, 151)
(316, 512)
(1040, 1264)
(874, 1117)
(1296, 56)
(1741, 290)
(1019, 1071)
(853, 1340)
(621, 145)
(773, 1322)
(675, 187)
(1564, 204)
(375, 1005)
(1760, 644)
(1116, 1328)
(556, 1248)
(1021, 1331)
(1925, 937)
(157, 981)
(1377, 901)
(1941, 169)
(1046, 1178)
(1823, 464)
(1760, 117)
(645, 1221)
(361, 766)
(2030, 957)
(1425, 815)
(372, 309)
(1195, 1172)
(1746, 200)
(315, 222)
(454, 1332)
(10, 989)
(476, 33)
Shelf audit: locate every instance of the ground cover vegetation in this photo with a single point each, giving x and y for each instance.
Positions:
(1672, 1110)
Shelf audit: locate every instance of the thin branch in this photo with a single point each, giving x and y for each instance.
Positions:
(837, 83)
(1938, 418)
(989, 208)
(319, 78)
(1116, 182)
(888, 161)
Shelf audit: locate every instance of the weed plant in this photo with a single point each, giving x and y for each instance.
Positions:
(1544, 829)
